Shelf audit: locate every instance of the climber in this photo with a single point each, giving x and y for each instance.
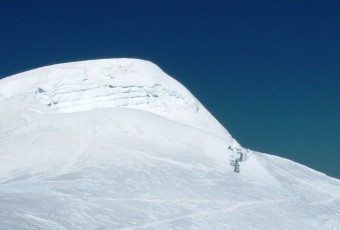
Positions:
(232, 156)
(241, 156)
(236, 156)
(237, 167)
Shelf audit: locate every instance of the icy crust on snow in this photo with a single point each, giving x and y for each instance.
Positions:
(82, 97)
(132, 83)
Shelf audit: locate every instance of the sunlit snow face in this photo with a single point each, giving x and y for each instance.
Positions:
(112, 83)
(141, 156)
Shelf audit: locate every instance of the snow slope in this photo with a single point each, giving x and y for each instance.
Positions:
(118, 144)
(88, 85)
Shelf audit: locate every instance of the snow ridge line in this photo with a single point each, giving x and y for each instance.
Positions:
(296, 179)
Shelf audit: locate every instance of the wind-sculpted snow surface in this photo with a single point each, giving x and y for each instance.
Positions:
(92, 153)
(130, 83)
(82, 97)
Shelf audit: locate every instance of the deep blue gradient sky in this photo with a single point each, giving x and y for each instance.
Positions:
(269, 71)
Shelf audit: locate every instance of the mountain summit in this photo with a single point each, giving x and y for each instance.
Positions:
(127, 83)
(119, 144)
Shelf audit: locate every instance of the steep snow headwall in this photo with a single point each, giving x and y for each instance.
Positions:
(82, 97)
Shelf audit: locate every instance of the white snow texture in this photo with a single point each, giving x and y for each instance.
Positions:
(119, 144)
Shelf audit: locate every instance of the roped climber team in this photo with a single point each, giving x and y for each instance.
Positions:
(237, 155)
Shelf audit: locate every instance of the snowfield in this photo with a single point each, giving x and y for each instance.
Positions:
(119, 144)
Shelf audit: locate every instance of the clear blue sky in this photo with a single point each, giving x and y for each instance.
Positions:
(268, 70)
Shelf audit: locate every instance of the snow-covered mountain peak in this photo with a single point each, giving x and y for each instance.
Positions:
(131, 83)
(118, 144)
